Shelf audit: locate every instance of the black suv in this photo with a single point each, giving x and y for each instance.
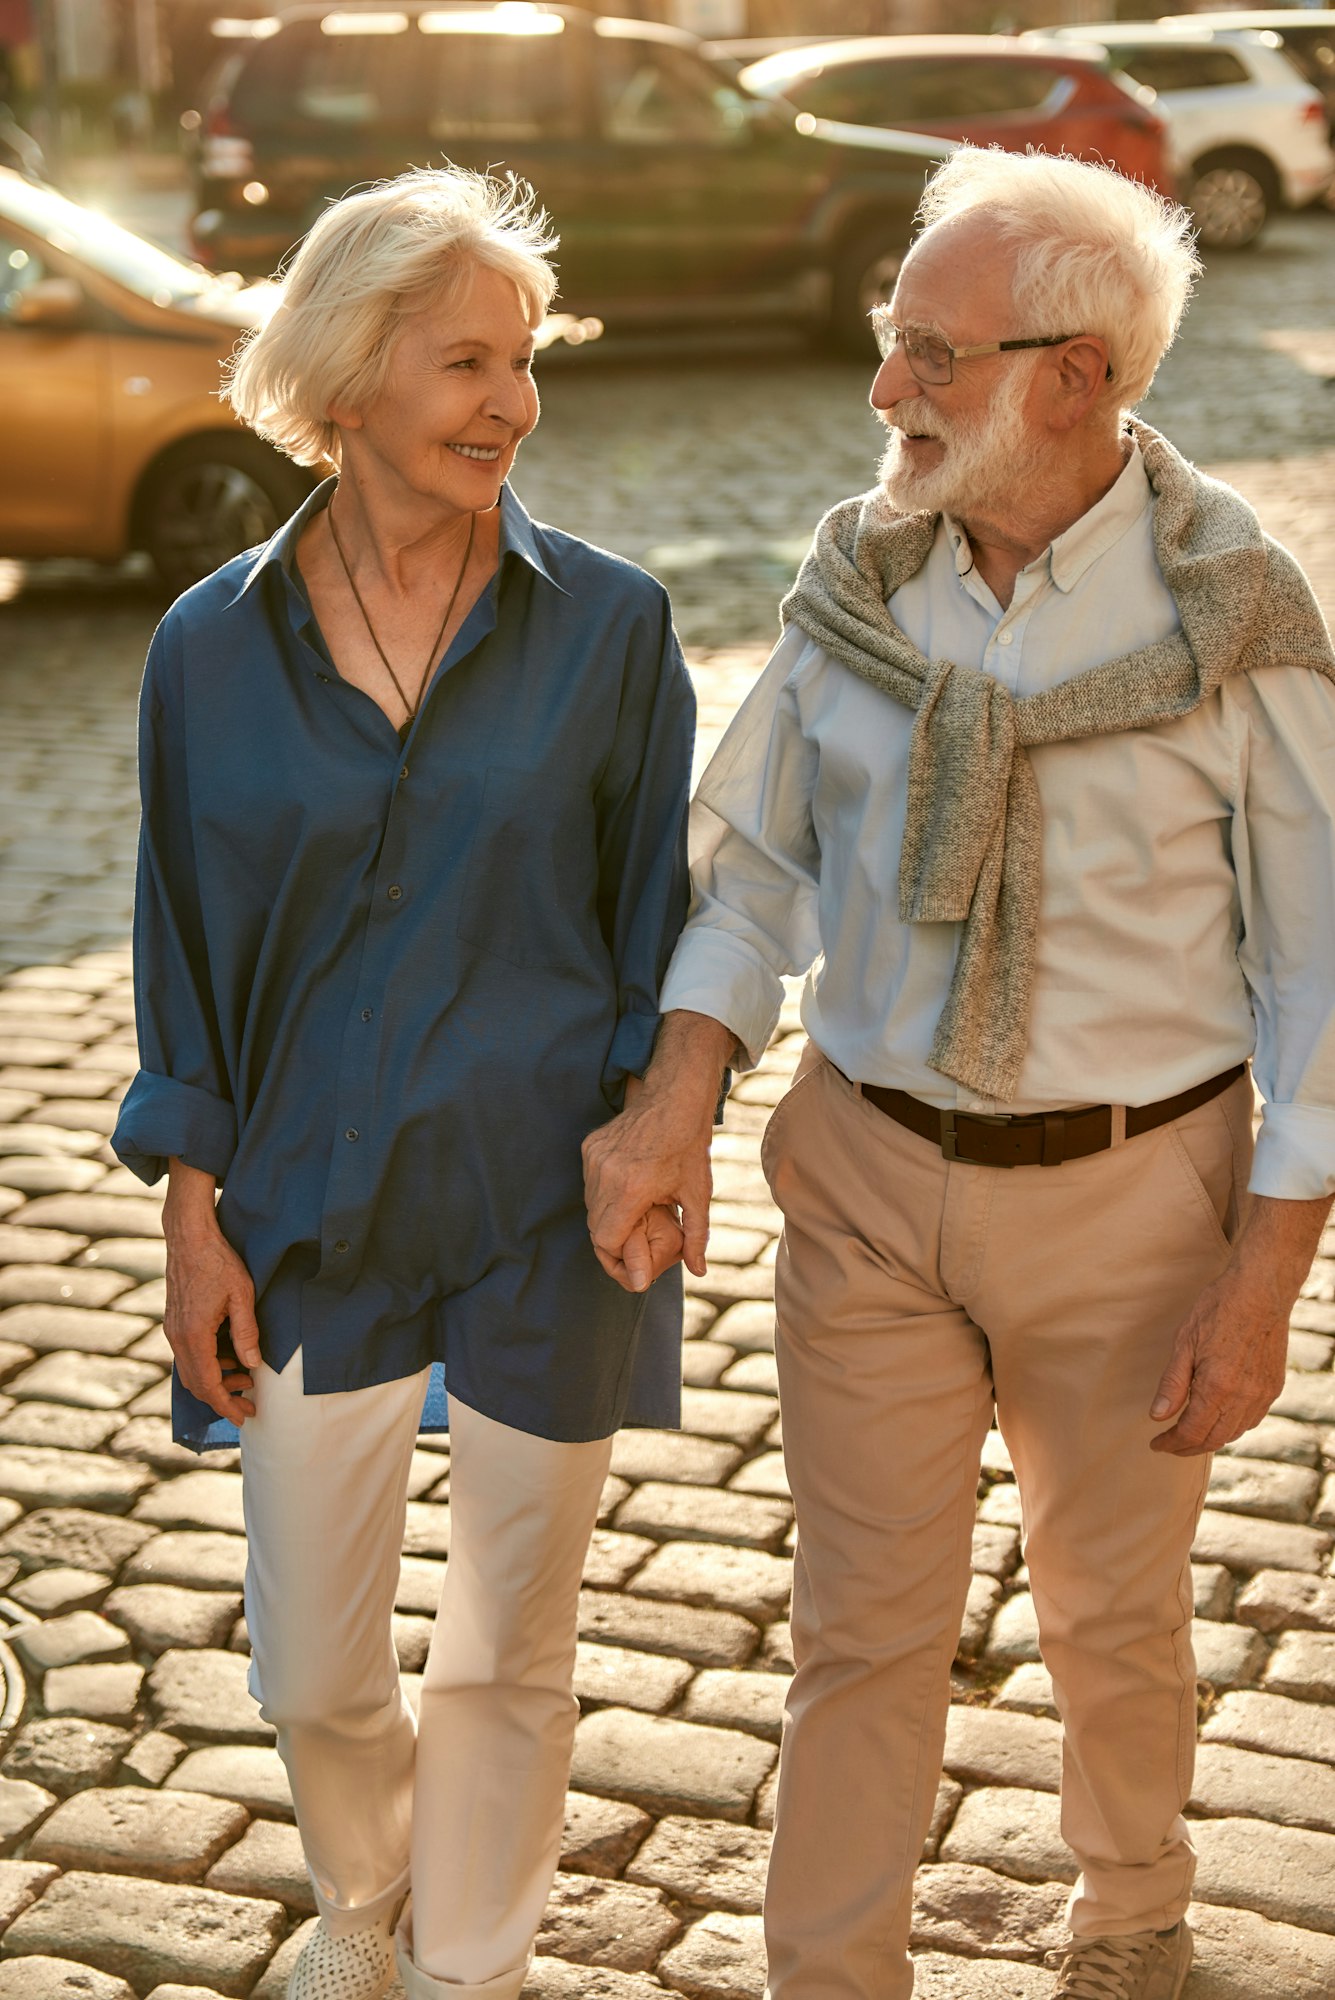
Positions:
(679, 198)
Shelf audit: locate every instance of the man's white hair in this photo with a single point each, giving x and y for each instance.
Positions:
(371, 261)
(1094, 251)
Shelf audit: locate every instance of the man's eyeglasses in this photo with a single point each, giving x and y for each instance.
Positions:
(932, 358)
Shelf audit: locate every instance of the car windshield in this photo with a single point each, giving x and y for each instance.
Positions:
(104, 246)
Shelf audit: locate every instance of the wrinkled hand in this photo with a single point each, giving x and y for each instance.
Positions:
(207, 1285)
(1227, 1365)
(647, 1184)
(654, 1245)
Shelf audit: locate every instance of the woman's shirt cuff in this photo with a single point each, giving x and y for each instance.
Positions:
(162, 1120)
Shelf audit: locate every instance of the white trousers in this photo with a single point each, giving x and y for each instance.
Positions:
(465, 1807)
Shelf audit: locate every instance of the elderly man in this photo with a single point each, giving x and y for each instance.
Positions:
(1041, 780)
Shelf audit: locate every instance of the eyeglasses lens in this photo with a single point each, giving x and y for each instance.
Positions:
(929, 357)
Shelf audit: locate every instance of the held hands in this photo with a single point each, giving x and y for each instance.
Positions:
(1227, 1363)
(207, 1285)
(646, 1174)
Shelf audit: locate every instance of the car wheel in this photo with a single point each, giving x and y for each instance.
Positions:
(864, 276)
(1231, 197)
(210, 498)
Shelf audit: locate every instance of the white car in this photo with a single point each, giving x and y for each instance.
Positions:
(1246, 133)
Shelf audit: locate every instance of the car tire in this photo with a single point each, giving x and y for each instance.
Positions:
(1232, 196)
(864, 275)
(207, 499)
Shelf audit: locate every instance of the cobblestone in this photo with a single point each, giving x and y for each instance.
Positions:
(103, 1693)
(149, 1932)
(600, 1835)
(73, 1538)
(65, 1754)
(682, 1767)
(160, 1616)
(591, 1921)
(201, 1695)
(174, 1836)
(1279, 1871)
(267, 1861)
(22, 1804)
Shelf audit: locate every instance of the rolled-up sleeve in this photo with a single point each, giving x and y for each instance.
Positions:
(755, 863)
(179, 1105)
(1284, 857)
(643, 885)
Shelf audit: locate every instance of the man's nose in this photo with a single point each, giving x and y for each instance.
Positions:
(894, 381)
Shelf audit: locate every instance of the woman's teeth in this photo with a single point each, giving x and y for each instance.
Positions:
(486, 453)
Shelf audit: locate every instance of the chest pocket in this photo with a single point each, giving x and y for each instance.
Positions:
(531, 883)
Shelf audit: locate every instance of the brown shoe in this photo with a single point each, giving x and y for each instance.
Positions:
(1148, 1965)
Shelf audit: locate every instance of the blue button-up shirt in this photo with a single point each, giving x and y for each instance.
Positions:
(385, 988)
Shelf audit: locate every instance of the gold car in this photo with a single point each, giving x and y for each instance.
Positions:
(112, 434)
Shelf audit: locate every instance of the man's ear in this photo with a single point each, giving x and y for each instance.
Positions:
(1082, 370)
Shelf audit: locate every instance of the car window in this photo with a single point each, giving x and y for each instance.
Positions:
(1313, 50)
(19, 268)
(1206, 68)
(909, 92)
(512, 87)
(343, 82)
(651, 93)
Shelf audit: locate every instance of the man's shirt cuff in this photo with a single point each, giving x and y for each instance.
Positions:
(712, 972)
(1295, 1153)
(162, 1120)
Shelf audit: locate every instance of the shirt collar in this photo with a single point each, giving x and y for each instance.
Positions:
(519, 537)
(1071, 554)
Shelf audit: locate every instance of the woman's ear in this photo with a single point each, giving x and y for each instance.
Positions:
(343, 416)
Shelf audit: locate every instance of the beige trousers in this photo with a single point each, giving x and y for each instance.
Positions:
(466, 1806)
(912, 1295)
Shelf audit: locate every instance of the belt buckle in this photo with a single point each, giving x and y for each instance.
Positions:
(949, 1138)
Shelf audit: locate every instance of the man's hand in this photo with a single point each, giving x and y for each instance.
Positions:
(207, 1285)
(1227, 1364)
(646, 1174)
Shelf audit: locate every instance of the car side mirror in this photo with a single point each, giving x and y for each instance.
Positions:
(51, 302)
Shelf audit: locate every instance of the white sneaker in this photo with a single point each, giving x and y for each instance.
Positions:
(1148, 1965)
(358, 1966)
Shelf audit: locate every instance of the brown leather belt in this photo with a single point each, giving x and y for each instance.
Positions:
(1043, 1138)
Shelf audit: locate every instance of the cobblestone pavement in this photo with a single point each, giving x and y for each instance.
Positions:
(145, 1821)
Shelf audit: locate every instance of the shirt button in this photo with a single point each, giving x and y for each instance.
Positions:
(1005, 638)
(394, 892)
(366, 1013)
(342, 1246)
(352, 1133)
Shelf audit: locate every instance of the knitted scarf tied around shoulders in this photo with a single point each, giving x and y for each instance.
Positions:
(973, 835)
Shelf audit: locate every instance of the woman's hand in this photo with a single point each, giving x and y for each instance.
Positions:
(654, 1245)
(208, 1287)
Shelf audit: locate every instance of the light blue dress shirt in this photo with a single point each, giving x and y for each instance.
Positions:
(1187, 918)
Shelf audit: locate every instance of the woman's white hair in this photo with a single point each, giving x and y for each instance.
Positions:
(371, 261)
(1094, 251)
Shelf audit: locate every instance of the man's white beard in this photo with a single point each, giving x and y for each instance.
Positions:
(989, 459)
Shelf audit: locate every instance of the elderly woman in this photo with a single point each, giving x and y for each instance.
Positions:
(414, 781)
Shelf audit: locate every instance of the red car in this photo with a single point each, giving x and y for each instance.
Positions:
(993, 90)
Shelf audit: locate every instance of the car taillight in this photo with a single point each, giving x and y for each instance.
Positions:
(224, 153)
